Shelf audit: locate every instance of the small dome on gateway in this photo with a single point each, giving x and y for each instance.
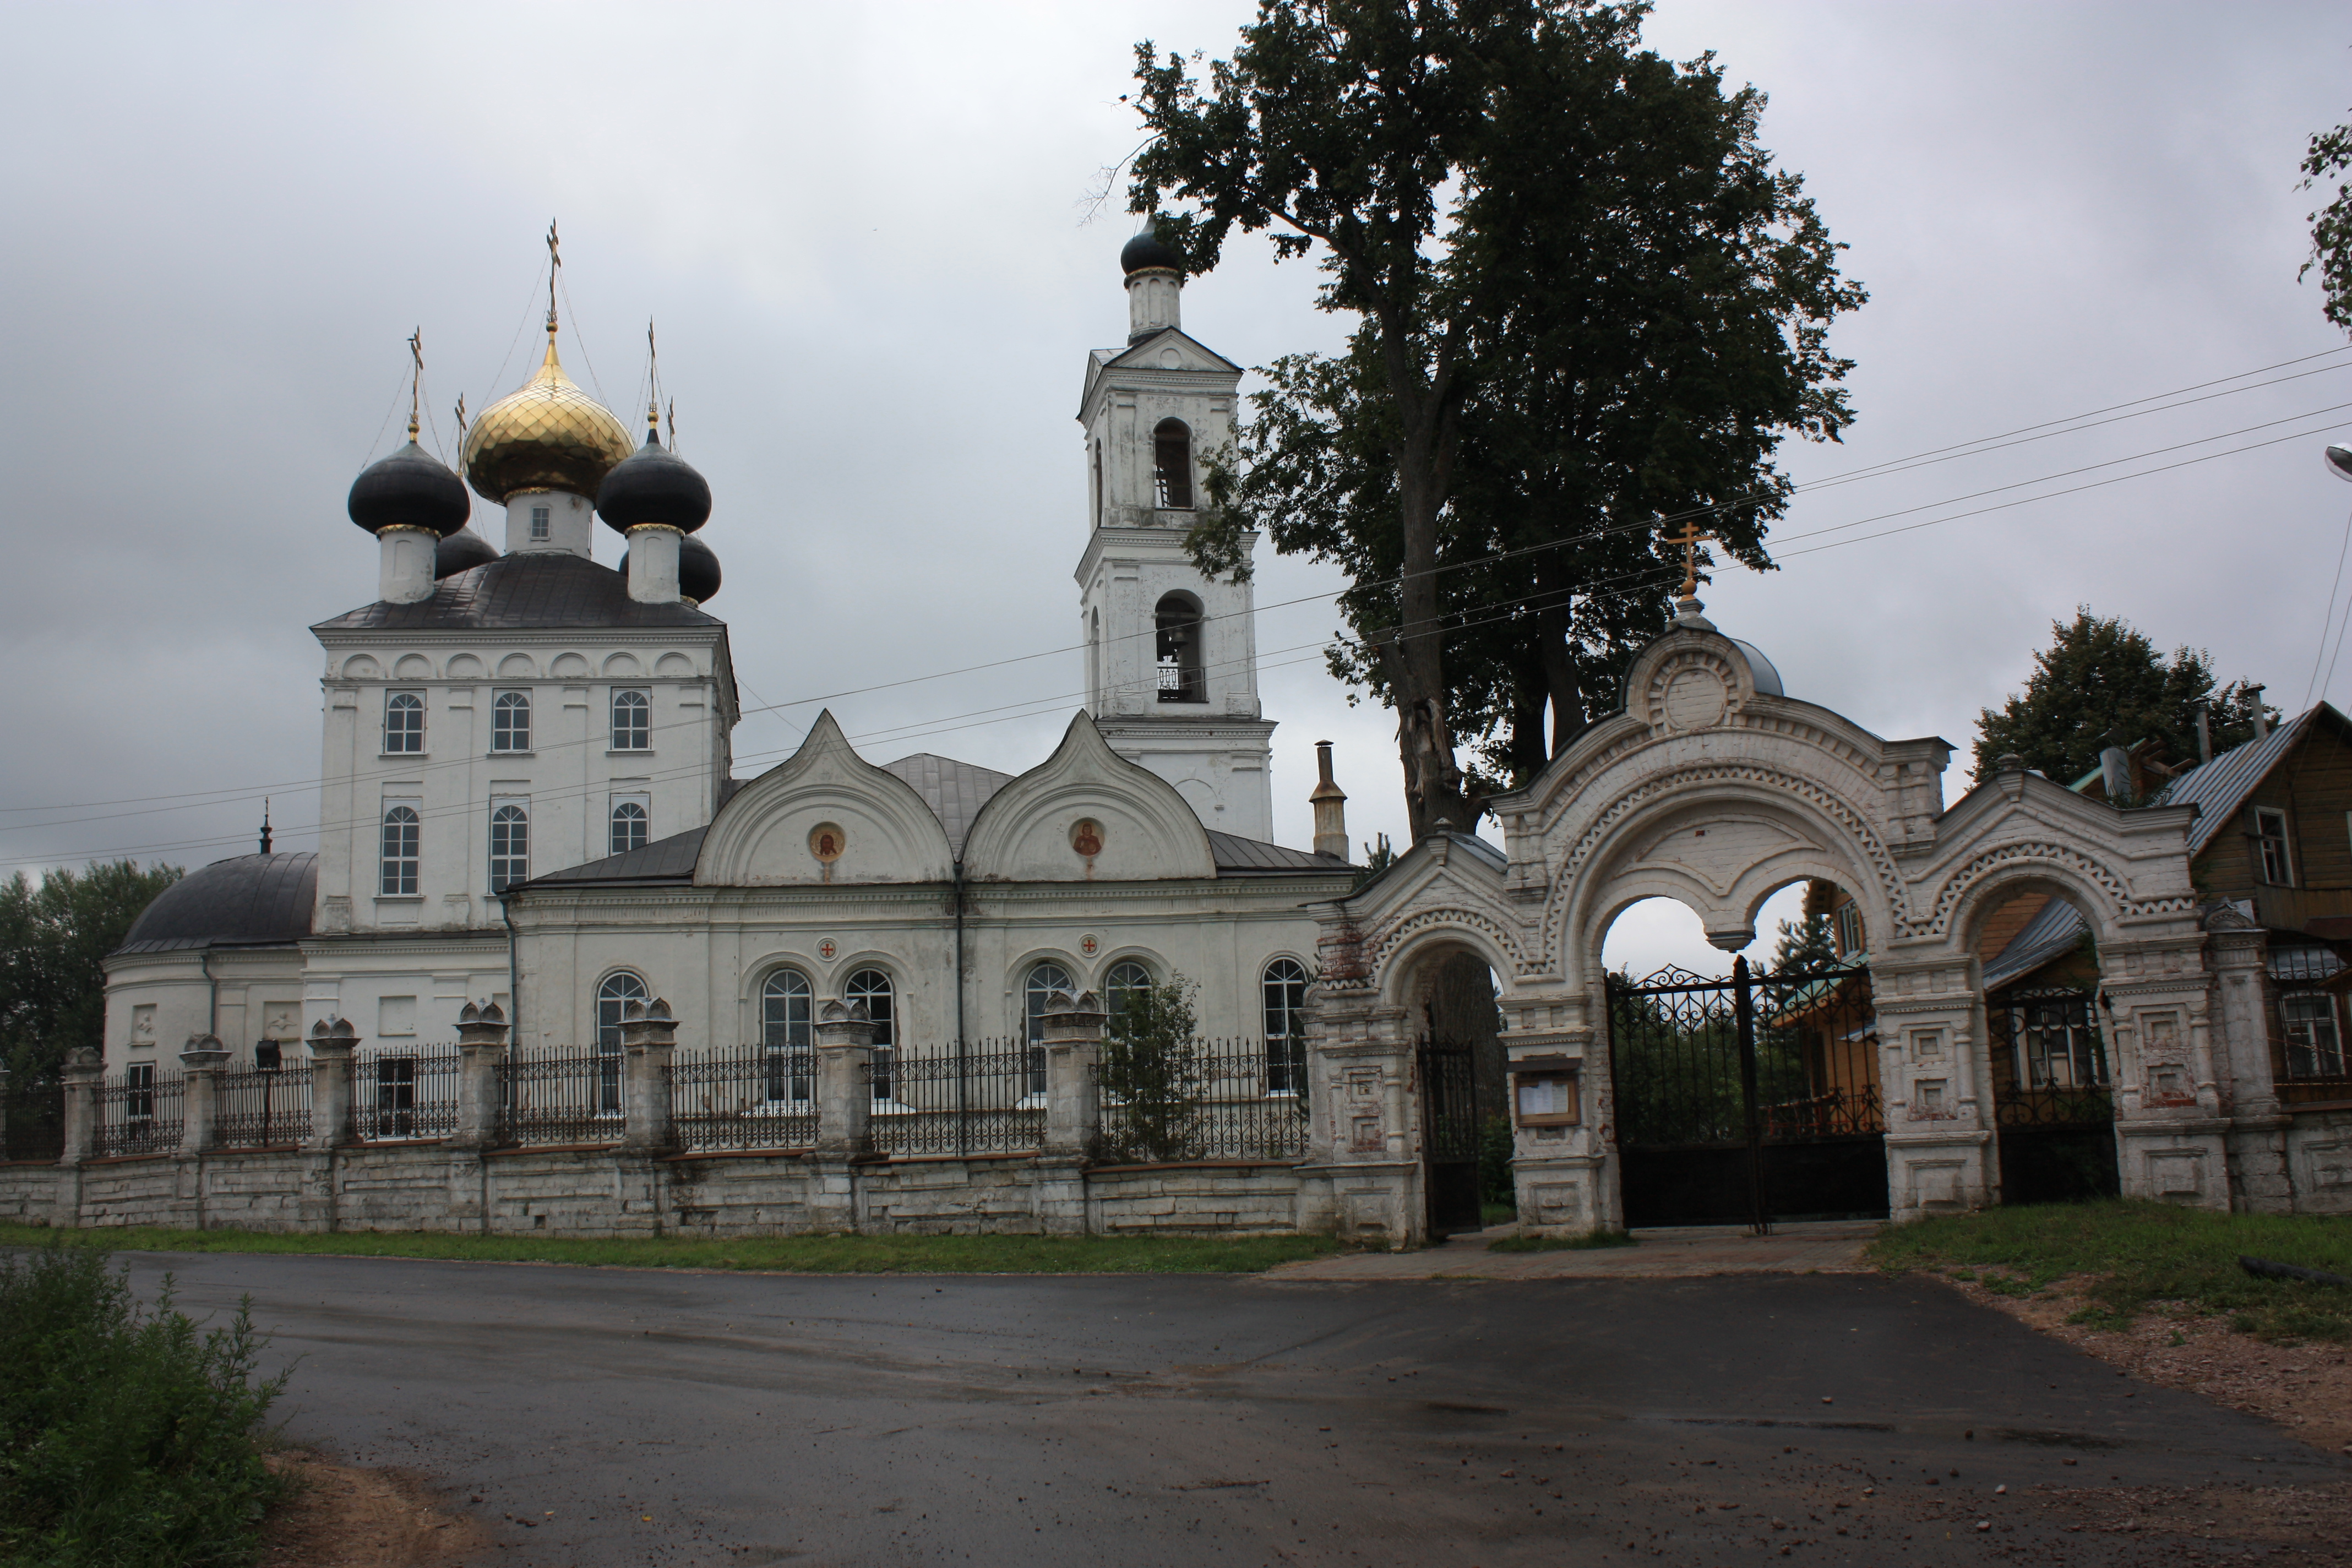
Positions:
(1148, 251)
(411, 489)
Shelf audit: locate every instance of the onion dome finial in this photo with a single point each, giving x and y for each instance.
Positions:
(547, 435)
(654, 485)
(411, 489)
(1148, 252)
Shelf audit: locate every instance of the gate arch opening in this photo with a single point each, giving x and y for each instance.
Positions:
(2048, 1054)
(1452, 996)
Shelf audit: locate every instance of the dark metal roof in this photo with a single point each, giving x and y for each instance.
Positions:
(2218, 788)
(547, 590)
(248, 901)
(667, 859)
(2050, 934)
(954, 791)
(1237, 857)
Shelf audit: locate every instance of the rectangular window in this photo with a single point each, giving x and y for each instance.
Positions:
(402, 832)
(2056, 1044)
(509, 844)
(1848, 920)
(510, 722)
(2270, 832)
(403, 724)
(633, 729)
(2314, 1042)
(539, 525)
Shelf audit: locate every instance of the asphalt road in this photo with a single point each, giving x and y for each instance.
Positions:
(1187, 1420)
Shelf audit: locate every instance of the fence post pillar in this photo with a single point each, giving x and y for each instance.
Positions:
(481, 1046)
(648, 1040)
(1074, 1037)
(845, 1052)
(200, 1065)
(331, 1047)
(81, 1074)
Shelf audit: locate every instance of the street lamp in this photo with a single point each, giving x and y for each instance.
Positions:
(2339, 462)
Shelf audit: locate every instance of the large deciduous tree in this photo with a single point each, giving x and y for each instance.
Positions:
(1586, 302)
(54, 935)
(2329, 156)
(2101, 682)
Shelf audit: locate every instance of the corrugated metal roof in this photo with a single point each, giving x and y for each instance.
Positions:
(1238, 856)
(246, 901)
(954, 791)
(667, 859)
(2218, 788)
(542, 591)
(2050, 934)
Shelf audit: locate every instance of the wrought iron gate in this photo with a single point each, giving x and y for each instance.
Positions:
(1747, 1099)
(2053, 1103)
(1449, 1136)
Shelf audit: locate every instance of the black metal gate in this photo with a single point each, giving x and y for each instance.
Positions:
(1747, 1099)
(1449, 1136)
(2053, 1103)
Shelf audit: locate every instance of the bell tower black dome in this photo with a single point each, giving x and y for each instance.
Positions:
(654, 485)
(1146, 251)
(411, 489)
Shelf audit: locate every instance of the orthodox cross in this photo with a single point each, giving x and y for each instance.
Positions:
(461, 414)
(554, 269)
(416, 375)
(653, 384)
(1690, 537)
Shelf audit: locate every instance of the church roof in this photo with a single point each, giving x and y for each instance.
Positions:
(954, 791)
(1238, 856)
(546, 589)
(246, 901)
(667, 859)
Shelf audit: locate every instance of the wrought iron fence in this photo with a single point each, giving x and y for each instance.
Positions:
(261, 1107)
(398, 1095)
(560, 1094)
(1201, 1099)
(982, 1096)
(140, 1112)
(35, 1126)
(744, 1099)
(2049, 1062)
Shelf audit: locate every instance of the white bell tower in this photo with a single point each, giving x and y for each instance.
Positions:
(1171, 657)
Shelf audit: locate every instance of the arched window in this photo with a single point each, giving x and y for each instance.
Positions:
(510, 722)
(788, 1034)
(1098, 493)
(1044, 981)
(401, 830)
(872, 987)
(628, 826)
(509, 846)
(632, 728)
(1171, 465)
(1178, 621)
(1283, 989)
(1127, 978)
(403, 724)
(616, 994)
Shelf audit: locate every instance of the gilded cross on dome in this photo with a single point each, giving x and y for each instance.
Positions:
(1690, 538)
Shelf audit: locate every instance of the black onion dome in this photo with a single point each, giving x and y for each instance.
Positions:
(462, 551)
(411, 489)
(653, 485)
(1147, 250)
(698, 569)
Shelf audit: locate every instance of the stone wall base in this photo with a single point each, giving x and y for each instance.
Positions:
(2184, 1162)
(2318, 1157)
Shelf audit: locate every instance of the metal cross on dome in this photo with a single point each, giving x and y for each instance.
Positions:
(1690, 538)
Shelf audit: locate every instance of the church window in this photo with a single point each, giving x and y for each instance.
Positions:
(632, 721)
(1284, 990)
(509, 846)
(403, 722)
(628, 825)
(510, 722)
(1178, 624)
(612, 998)
(787, 1034)
(401, 831)
(1044, 981)
(1171, 465)
(872, 987)
(539, 524)
(1099, 490)
(1126, 979)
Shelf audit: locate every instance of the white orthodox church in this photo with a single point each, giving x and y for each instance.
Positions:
(528, 795)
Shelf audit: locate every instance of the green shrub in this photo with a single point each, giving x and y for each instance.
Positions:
(1153, 1077)
(128, 1437)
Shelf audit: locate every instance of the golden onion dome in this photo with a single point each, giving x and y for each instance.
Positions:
(546, 436)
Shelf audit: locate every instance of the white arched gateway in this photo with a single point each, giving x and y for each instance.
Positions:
(1715, 788)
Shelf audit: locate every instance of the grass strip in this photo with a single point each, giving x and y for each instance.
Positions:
(1585, 1243)
(2138, 1254)
(792, 1254)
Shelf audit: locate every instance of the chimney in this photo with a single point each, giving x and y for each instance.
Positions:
(1330, 805)
(2262, 714)
(2114, 774)
(2204, 731)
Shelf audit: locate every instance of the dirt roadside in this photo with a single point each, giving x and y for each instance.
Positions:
(344, 1516)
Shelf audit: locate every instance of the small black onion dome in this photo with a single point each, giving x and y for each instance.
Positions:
(1147, 250)
(652, 485)
(462, 551)
(698, 569)
(410, 489)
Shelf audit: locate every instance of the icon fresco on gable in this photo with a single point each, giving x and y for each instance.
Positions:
(1086, 836)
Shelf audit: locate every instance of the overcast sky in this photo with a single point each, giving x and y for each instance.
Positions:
(863, 232)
